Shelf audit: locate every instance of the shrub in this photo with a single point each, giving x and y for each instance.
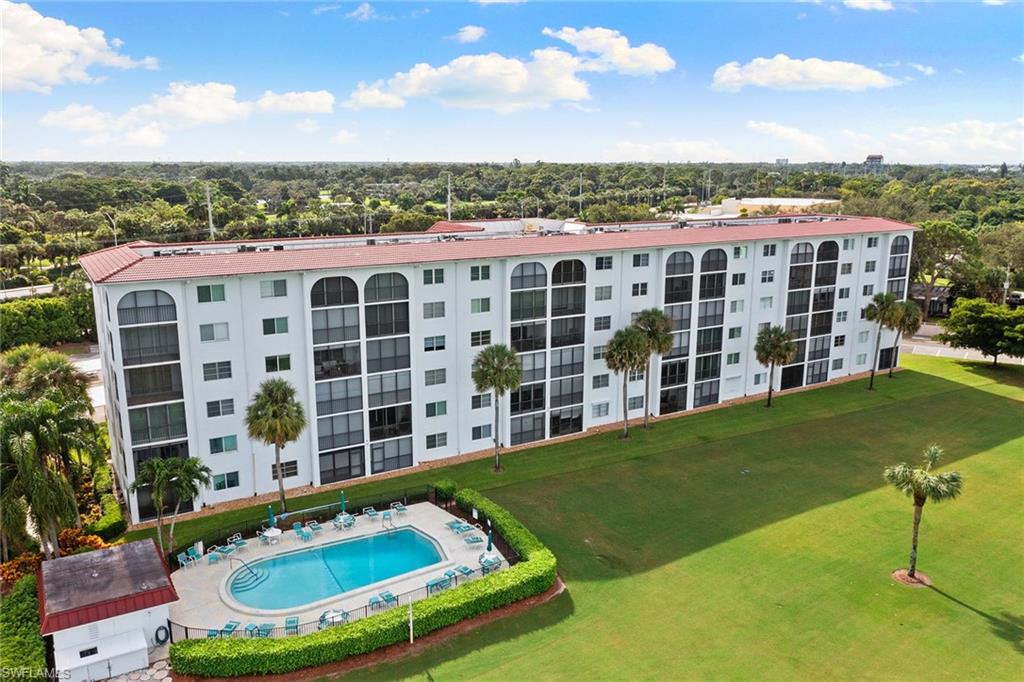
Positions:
(111, 524)
(22, 652)
(102, 482)
(234, 657)
(20, 566)
(445, 488)
(71, 540)
(45, 321)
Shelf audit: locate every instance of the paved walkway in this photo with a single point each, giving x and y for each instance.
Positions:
(157, 672)
(924, 343)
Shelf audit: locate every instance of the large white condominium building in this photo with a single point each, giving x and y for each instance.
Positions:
(378, 333)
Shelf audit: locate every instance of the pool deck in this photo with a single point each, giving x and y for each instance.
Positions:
(203, 601)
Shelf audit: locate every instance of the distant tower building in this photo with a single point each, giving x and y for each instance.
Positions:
(873, 163)
(781, 162)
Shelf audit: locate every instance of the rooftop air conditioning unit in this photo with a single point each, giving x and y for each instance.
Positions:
(278, 247)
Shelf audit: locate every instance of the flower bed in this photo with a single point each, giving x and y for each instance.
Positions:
(533, 575)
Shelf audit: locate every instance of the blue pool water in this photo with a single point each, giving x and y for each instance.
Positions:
(309, 575)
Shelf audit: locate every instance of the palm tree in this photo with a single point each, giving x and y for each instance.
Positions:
(50, 498)
(52, 370)
(188, 475)
(774, 346)
(627, 352)
(156, 474)
(881, 311)
(275, 417)
(907, 320)
(657, 329)
(497, 369)
(920, 484)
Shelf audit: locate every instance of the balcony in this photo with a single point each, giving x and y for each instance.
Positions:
(148, 314)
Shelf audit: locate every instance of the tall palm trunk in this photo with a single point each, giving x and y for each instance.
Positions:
(160, 526)
(918, 508)
(771, 382)
(174, 519)
(895, 349)
(54, 539)
(625, 408)
(497, 442)
(647, 392)
(874, 358)
(280, 478)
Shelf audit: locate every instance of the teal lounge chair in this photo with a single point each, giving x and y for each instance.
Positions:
(463, 528)
(399, 507)
(474, 540)
(230, 627)
(264, 540)
(265, 629)
(374, 603)
(226, 550)
(466, 571)
(184, 560)
(212, 556)
(449, 574)
(192, 552)
(389, 599)
(291, 625)
(370, 513)
(385, 517)
(237, 541)
(252, 630)
(315, 526)
(453, 523)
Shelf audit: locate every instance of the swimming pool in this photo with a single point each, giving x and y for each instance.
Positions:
(311, 575)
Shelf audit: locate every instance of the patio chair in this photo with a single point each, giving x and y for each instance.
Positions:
(184, 560)
(474, 540)
(212, 555)
(252, 630)
(374, 603)
(399, 507)
(291, 625)
(370, 513)
(226, 549)
(453, 523)
(315, 526)
(463, 528)
(385, 517)
(389, 598)
(238, 541)
(450, 574)
(194, 553)
(466, 571)
(230, 627)
(265, 629)
(264, 540)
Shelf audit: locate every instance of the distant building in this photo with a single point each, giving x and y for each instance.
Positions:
(781, 162)
(873, 163)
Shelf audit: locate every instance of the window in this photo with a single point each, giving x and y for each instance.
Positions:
(759, 378)
(710, 313)
(735, 332)
(387, 286)
(739, 278)
(526, 429)
(839, 341)
(437, 409)
(212, 371)
(568, 300)
(599, 352)
(641, 260)
(220, 408)
(673, 373)
(768, 250)
(848, 244)
(275, 325)
(767, 302)
(732, 359)
(869, 266)
(434, 377)
(436, 440)
(288, 469)
(225, 481)
(868, 289)
(86, 653)
(828, 251)
(529, 276)
(534, 366)
(567, 331)
(390, 422)
(636, 376)
(336, 324)
(480, 305)
(340, 465)
(278, 363)
(739, 252)
(213, 332)
(481, 432)
(640, 288)
(603, 263)
(599, 410)
(387, 319)
(736, 306)
(273, 288)
(802, 253)
(712, 286)
(709, 340)
(872, 242)
(846, 268)
(223, 444)
(862, 337)
(481, 400)
(603, 293)
(386, 389)
(394, 454)
(336, 361)
(705, 394)
(339, 431)
(767, 276)
(837, 364)
(844, 292)
(761, 326)
(479, 273)
(157, 422)
(636, 402)
(566, 391)
(862, 359)
(526, 398)
(600, 381)
(566, 361)
(569, 272)
(343, 395)
(432, 343)
(331, 291)
(841, 316)
(602, 323)
(480, 338)
(433, 310)
(433, 276)
(565, 421)
(210, 293)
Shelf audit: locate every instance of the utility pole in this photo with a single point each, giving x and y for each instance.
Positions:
(113, 225)
(581, 195)
(449, 196)
(209, 210)
(1006, 284)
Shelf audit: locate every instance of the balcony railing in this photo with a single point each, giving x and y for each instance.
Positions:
(146, 314)
(147, 356)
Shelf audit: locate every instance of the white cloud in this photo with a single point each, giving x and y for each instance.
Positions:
(923, 68)
(79, 118)
(499, 2)
(373, 96)
(310, 102)
(343, 137)
(364, 12)
(994, 3)
(869, 5)
(39, 52)
(672, 150)
(324, 9)
(579, 107)
(967, 141)
(809, 147)
(469, 34)
(1019, 58)
(614, 53)
(782, 72)
(308, 126)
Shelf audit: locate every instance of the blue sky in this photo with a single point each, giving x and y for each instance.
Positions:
(829, 80)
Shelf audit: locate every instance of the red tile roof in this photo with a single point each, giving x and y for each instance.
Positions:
(133, 268)
(445, 226)
(85, 588)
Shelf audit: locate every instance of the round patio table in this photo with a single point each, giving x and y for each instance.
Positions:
(273, 534)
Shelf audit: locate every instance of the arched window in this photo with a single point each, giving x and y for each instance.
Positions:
(143, 307)
(828, 251)
(714, 261)
(900, 245)
(802, 253)
(680, 263)
(569, 272)
(387, 286)
(333, 291)
(529, 276)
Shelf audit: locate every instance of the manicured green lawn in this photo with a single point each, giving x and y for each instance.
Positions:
(750, 543)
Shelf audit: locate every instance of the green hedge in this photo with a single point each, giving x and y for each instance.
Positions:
(533, 575)
(45, 321)
(22, 652)
(112, 524)
(102, 482)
